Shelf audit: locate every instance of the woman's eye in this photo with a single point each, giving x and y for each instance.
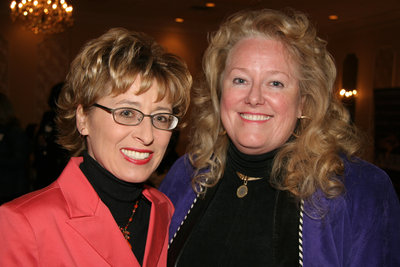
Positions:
(162, 118)
(276, 84)
(239, 81)
(127, 113)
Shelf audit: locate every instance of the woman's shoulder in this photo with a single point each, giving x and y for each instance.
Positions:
(360, 175)
(361, 165)
(365, 185)
(38, 203)
(177, 184)
(362, 222)
(179, 174)
(182, 165)
(368, 189)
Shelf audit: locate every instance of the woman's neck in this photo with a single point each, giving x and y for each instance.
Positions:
(108, 187)
(250, 165)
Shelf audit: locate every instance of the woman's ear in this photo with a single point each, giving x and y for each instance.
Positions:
(81, 121)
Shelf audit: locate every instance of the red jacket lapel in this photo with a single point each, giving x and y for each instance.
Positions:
(91, 218)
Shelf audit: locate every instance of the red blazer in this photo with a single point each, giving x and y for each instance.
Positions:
(66, 224)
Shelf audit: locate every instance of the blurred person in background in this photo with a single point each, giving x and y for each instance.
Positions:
(14, 153)
(50, 157)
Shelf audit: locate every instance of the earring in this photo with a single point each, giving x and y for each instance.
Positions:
(304, 117)
(296, 132)
(222, 133)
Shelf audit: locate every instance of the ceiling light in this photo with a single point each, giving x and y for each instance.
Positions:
(42, 16)
(333, 17)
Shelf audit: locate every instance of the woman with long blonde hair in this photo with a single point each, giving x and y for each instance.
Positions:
(272, 176)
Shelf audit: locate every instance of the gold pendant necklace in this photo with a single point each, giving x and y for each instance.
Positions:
(242, 190)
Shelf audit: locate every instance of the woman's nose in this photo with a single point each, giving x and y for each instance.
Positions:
(255, 96)
(144, 132)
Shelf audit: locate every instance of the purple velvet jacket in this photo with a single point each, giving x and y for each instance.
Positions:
(360, 228)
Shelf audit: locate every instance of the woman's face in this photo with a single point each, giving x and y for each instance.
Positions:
(131, 153)
(260, 100)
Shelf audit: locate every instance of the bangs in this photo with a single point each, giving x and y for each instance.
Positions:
(123, 83)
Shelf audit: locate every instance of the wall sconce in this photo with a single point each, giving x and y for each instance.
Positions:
(348, 93)
(349, 79)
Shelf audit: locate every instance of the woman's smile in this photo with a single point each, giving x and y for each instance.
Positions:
(255, 117)
(136, 154)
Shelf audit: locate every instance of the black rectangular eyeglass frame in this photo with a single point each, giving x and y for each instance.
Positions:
(111, 111)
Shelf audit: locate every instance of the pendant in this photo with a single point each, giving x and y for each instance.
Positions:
(242, 191)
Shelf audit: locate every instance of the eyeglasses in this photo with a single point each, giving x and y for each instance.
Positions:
(132, 117)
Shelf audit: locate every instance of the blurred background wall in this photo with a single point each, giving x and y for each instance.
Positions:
(30, 64)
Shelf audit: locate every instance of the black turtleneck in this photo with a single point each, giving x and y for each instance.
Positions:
(250, 165)
(119, 196)
(236, 231)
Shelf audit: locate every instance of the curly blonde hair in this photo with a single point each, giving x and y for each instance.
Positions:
(306, 163)
(109, 65)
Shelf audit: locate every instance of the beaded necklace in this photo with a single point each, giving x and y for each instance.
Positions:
(124, 230)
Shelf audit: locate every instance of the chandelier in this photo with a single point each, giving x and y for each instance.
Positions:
(42, 16)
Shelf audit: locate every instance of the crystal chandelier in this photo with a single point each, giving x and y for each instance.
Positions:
(42, 16)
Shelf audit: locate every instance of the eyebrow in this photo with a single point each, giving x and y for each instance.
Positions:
(273, 72)
(137, 105)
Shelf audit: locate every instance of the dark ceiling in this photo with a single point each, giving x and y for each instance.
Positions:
(160, 14)
(353, 14)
